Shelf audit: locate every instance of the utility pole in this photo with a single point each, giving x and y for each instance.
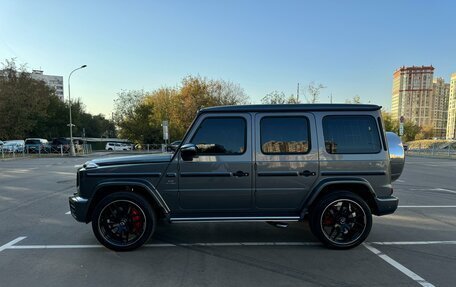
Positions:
(331, 98)
(297, 94)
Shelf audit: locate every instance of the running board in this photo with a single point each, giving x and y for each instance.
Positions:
(235, 219)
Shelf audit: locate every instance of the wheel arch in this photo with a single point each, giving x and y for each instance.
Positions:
(358, 186)
(146, 190)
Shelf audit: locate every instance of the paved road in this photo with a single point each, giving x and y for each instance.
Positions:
(416, 245)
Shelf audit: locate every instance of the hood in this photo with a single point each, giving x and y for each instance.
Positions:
(135, 159)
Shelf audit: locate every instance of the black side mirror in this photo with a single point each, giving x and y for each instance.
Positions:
(188, 151)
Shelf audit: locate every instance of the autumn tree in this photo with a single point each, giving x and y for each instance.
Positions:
(139, 114)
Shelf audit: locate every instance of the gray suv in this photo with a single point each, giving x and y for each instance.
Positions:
(329, 164)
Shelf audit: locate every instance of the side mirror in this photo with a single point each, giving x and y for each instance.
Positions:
(188, 151)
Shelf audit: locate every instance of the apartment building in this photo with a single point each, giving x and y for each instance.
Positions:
(412, 94)
(451, 121)
(439, 107)
(55, 82)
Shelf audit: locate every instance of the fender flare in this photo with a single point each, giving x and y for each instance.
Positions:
(150, 188)
(316, 190)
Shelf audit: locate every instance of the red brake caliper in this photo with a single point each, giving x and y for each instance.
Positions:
(136, 219)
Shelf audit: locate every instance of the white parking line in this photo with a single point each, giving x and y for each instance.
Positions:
(414, 242)
(11, 243)
(69, 212)
(399, 266)
(444, 189)
(197, 244)
(426, 206)
(78, 165)
(433, 189)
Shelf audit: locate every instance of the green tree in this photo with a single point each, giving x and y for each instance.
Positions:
(23, 102)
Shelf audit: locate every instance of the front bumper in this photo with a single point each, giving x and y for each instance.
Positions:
(386, 205)
(79, 207)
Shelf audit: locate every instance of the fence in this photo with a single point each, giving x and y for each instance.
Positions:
(44, 151)
(447, 151)
(135, 148)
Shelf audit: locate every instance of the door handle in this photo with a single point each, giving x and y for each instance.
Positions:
(307, 173)
(240, 173)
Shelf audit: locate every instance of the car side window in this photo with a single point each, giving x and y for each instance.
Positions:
(284, 135)
(351, 135)
(221, 136)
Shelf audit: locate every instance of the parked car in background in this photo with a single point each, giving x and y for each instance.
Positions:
(60, 145)
(16, 146)
(117, 146)
(173, 146)
(126, 146)
(37, 145)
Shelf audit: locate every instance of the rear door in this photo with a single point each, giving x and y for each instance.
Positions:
(286, 152)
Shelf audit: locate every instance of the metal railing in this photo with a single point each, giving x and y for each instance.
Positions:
(138, 148)
(448, 151)
(43, 151)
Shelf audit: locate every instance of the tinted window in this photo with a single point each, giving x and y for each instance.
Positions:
(351, 134)
(284, 135)
(32, 142)
(221, 136)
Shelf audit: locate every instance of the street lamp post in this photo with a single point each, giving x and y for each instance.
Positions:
(72, 152)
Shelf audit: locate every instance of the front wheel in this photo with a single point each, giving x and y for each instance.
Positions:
(341, 220)
(123, 221)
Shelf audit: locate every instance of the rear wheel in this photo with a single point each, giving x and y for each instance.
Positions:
(123, 221)
(341, 220)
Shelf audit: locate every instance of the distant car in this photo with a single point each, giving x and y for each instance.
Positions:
(37, 145)
(173, 146)
(16, 146)
(60, 145)
(117, 146)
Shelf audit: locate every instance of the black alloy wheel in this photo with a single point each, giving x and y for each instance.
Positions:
(123, 221)
(341, 220)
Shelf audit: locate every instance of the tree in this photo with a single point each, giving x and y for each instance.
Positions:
(276, 97)
(355, 100)
(23, 102)
(411, 130)
(139, 114)
(426, 132)
(314, 91)
(29, 108)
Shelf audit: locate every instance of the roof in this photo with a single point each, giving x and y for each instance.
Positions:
(291, 108)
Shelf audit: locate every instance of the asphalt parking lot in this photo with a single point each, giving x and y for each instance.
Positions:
(42, 245)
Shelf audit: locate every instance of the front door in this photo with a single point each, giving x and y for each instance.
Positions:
(286, 153)
(219, 178)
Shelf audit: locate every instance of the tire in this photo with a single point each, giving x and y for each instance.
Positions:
(123, 221)
(109, 148)
(341, 220)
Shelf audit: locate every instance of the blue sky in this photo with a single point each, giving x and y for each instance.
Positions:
(352, 47)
